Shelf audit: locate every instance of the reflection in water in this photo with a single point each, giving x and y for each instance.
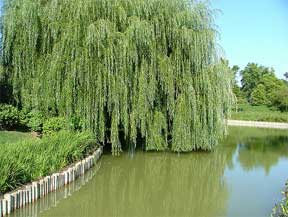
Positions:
(263, 153)
(260, 148)
(153, 184)
(195, 184)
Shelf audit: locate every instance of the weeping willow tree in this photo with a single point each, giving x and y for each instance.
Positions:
(142, 69)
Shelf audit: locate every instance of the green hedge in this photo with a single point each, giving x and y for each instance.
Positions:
(29, 160)
(55, 124)
(9, 117)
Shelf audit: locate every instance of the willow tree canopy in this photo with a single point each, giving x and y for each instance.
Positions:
(142, 69)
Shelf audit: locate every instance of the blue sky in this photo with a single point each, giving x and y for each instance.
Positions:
(254, 31)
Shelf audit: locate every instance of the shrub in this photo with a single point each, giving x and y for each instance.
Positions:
(54, 124)
(9, 117)
(33, 120)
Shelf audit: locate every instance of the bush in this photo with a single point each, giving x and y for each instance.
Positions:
(54, 124)
(9, 117)
(33, 120)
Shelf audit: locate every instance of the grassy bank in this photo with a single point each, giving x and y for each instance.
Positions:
(28, 160)
(13, 136)
(259, 113)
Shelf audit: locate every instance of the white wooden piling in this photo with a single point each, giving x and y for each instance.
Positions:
(1, 208)
(4, 212)
(28, 193)
(8, 203)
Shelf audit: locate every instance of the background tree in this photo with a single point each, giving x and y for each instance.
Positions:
(261, 87)
(272, 85)
(251, 76)
(280, 97)
(258, 95)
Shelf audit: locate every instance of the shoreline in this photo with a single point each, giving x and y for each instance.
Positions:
(258, 124)
(31, 192)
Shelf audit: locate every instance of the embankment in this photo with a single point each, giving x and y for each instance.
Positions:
(259, 124)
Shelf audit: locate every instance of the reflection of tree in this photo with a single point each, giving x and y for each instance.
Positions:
(257, 147)
(154, 185)
(263, 152)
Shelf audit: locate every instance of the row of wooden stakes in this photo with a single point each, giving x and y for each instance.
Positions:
(38, 189)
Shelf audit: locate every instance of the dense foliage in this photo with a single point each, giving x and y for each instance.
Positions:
(251, 77)
(33, 120)
(12, 118)
(144, 69)
(25, 161)
(54, 124)
(260, 86)
(9, 117)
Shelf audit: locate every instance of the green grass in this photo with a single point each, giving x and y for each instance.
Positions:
(30, 159)
(259, 113)
(13, 136)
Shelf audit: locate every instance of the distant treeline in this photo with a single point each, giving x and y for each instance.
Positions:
(260, 86)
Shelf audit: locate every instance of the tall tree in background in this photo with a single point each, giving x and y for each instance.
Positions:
(262, 87)
(258, 95)
(251, 76)
(130, 69)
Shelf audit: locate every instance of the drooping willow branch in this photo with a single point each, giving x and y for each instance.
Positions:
(148, 68)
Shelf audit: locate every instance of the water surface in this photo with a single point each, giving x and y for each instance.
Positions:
(243, 176)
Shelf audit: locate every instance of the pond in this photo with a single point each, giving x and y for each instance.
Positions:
(243, 176)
